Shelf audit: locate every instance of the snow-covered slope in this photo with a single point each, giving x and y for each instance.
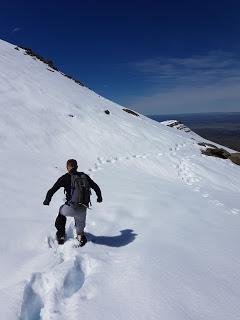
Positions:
(165, 240)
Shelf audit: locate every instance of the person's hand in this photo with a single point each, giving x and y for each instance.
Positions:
(99, 199)
(46, 202)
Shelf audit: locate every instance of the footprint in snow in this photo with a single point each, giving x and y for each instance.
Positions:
(110, 161)
(100, 160)
(217, 203)
(32, 302)
(45, 293)
(73, 280)
(197, 189)
(235, 211)
(189, 182)
(177, 147)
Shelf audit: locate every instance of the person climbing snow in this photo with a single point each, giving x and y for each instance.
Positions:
(77, 186)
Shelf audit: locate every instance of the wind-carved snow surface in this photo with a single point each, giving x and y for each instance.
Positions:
(164, 244)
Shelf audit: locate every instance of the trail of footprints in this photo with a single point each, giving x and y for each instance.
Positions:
(101, 161)
(188, 176)
(184, 171)
(46, 294)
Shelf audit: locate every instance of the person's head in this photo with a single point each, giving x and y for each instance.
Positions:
(72, 165)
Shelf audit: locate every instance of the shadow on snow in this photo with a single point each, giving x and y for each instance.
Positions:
(121, 240)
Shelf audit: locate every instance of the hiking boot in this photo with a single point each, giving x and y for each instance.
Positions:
(60, 237)
(82, 240)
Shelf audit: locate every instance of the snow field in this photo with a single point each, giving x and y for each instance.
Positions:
(162, 245)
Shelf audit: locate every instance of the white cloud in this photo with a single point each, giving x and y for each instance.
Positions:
(211, 98)
(16, 30)
(201, 83)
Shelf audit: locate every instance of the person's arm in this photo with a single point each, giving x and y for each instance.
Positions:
(57, 185)
(96, 188)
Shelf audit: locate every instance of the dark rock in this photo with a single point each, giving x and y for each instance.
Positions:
(216, 152)
(131, 112)
(16, 48)
(50, 64)
(69, 77)
(80, 83)
(107, 111)
(174, 124)
(71, 115)
(204, 144)
(235, 158)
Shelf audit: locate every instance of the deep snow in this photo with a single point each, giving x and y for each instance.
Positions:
(164, 242)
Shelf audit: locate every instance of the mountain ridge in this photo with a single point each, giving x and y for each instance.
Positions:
(164, 242)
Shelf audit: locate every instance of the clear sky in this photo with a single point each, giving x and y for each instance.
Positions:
(156, 57)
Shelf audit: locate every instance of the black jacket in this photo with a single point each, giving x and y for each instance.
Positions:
(65, 182)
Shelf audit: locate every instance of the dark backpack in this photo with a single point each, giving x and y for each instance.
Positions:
(80, 191)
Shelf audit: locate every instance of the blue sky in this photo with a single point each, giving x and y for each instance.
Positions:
(156, 57)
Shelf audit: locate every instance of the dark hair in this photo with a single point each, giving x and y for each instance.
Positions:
(73, 163)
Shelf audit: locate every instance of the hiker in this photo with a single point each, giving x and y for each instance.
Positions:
(77, 186)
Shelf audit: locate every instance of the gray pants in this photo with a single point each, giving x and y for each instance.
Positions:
(79, 215)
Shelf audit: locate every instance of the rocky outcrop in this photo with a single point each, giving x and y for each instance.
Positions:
(131, 112)
(176, 124)
(205, 144)
(220, 153)
(216, 152)
(49, 63)
(235, 158)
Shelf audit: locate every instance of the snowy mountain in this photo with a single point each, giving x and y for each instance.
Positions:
(164, 244)
(178, 125)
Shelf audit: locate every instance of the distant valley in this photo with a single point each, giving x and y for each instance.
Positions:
(222, 128)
